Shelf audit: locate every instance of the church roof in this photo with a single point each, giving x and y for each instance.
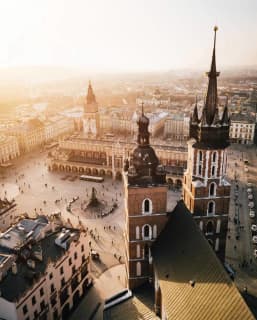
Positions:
(139, 306)
(182, 255)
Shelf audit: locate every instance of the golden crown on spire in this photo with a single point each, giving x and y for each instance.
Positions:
(215, 28)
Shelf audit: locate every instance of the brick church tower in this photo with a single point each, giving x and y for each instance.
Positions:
(206, 192)
(91, 115)
(145, 206)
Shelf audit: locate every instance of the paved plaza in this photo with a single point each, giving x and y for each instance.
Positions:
(38, 191)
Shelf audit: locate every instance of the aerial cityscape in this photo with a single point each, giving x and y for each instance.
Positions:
(128, 179)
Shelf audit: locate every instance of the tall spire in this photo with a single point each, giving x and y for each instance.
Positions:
(211, 103)
(90, 94)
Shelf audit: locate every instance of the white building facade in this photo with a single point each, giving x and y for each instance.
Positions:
(51, 277)
(9, 148)
(242, 128)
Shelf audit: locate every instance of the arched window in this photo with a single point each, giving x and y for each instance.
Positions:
(212, 189)
(214, 156)
(138, 269)
(218, 226)
(138, 250)
(155, 231)
(211, 208)
(146, 232)
(200, 156)
(137, 232)
(213, 170)
(147, 206)
(209, 228)
(199, 170)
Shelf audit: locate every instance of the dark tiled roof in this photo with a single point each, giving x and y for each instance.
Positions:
(138, 307)
(25, 276)
(242, 117)
(180, 254)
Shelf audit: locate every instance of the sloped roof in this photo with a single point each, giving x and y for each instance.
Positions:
(180, 254)
(139, 306)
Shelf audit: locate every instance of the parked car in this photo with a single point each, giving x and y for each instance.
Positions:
(249, 190)
(255, 253)
(252, 214)
(246, 169)
(255, 239)
(230, 270)
(254, 228)
(250, 197)
(249, 184)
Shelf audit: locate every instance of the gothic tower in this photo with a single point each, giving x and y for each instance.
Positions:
(206, 192)
(145, 206)
(91, 115)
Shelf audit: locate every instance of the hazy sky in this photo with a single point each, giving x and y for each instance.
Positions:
(127, 35)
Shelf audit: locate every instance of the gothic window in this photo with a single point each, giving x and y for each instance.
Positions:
(200, 170)
(137, 232)
(200, 156)
(212, 189)
(211, 208)
(146, 232)
(138, 269)
(214, 156)
(209, 228)
(155, 231)
(147, 206)
(213, 170)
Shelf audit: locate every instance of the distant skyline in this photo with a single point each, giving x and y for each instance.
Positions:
(127, 36)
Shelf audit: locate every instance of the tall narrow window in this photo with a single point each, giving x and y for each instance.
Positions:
(200, 156)
(218, 226)
(138, 250)
(211, 208)
(146, 232)
(138, 269)
(155, 231)
(147, 206)
(212, 189)
(214, 156)
(137, 233)
(209, 228)
(213, 170)
(217, 244)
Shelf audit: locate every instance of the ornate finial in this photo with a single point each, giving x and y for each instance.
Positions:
(142, 105)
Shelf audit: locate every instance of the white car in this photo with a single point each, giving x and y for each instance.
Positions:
(255, 253)
(254, 239)
(249, 190)
(250, 197)
(254, 228)
(252, 214)
(251, 205)
(249, 185)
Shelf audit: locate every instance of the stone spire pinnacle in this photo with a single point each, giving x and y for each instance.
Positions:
(225, 117)
(195, 118)
(211, 102)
